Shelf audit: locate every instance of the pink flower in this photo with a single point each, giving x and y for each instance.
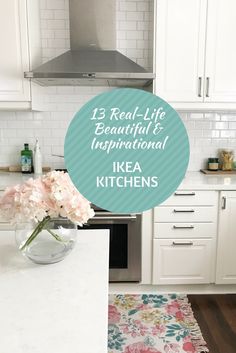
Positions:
(52, 195)
(188, 347)
(140, 347)
(158, 330)
(179, 316)
(172, 308)
(171, 348)
(113, 315)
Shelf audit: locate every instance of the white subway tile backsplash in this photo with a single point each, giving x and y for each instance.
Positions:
(129, 43)
(56, 43)
(122, 35)
(220, 125)
(128, 26)
(228, 133)
(228, 117)
(55, 4)
(61, 14)
(143, 6)
(56, 24)
(135, 16)
(208, 131)
(232, 125)
(135, 35)
(127, 6)
(135, 53)
(47, 14)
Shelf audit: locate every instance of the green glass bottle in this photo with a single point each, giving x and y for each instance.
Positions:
(26, 160)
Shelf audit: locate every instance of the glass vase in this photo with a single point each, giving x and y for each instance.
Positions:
(48, 241)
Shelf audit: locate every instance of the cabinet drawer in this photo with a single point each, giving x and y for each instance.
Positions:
(182, 261)
(184, 230)
(201, 198)
(185, 214)
(6, 226)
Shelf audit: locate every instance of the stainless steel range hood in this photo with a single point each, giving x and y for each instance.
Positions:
(93, 59)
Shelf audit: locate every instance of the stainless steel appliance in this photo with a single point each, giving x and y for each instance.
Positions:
(125, 243)
(93, 58)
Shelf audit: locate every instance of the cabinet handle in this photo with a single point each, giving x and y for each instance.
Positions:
(179, 193)
(183, 227)
(185, 211)
(189, 243)
(223, 205)
(199, 86)
(207, 86)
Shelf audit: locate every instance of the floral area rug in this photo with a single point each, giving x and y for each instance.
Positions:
(151, 323)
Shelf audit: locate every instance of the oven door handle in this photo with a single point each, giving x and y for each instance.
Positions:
(111, 218)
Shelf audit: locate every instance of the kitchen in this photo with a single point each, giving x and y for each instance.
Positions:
(185, 82)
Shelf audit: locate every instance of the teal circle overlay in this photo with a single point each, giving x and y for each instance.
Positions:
(126, 150)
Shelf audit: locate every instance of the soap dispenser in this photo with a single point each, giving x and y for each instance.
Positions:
(37, 158)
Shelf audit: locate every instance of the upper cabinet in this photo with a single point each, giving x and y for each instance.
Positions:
(17, 54)
(195, 53)
(220, 68)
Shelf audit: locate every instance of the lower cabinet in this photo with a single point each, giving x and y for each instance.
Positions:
(182, 261)
(184, 238)
(226, 248)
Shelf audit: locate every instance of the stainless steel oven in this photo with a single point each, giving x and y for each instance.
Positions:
(125, 243)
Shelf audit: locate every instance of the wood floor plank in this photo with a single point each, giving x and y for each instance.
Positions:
(216, 316)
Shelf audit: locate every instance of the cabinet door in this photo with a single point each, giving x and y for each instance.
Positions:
(14, 58)
(182, 261)
(226, 259)
(180, 47)
(221, 51)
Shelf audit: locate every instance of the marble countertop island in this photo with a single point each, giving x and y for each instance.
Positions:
(57, 308)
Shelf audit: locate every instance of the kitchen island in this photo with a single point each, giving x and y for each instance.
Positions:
(57, 308)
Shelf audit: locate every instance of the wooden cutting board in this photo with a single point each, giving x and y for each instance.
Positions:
(17, 168)
(218, 172)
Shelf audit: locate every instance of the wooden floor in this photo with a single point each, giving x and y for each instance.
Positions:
(216, 316)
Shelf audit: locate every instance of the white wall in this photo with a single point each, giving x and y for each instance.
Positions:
(207, 132)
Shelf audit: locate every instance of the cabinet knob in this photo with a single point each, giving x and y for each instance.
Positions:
(183, 227)
(199, 86)
(179, 243)
(179, 193)
(207, 86)
(184, 211)
(223, 205)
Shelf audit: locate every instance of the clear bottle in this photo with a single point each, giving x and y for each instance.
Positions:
(26, 160)
(37, 158)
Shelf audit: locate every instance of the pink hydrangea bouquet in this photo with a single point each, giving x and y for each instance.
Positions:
(49, 196)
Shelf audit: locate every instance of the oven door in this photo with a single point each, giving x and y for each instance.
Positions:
(125, 244)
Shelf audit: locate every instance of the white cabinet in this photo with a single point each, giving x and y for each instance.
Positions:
(182, 261)
(221, 51)
(195, 53)
(184, 238)
(180, 32)
(16, 54)
(226, 250)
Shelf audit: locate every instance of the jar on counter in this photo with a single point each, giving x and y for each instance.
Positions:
(227, 157)
(213, 164)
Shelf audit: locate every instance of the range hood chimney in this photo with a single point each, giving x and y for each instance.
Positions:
(93, 58)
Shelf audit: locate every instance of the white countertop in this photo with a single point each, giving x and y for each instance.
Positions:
(11, 179)
(58, 308)
(192, 180)
(200, 181)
